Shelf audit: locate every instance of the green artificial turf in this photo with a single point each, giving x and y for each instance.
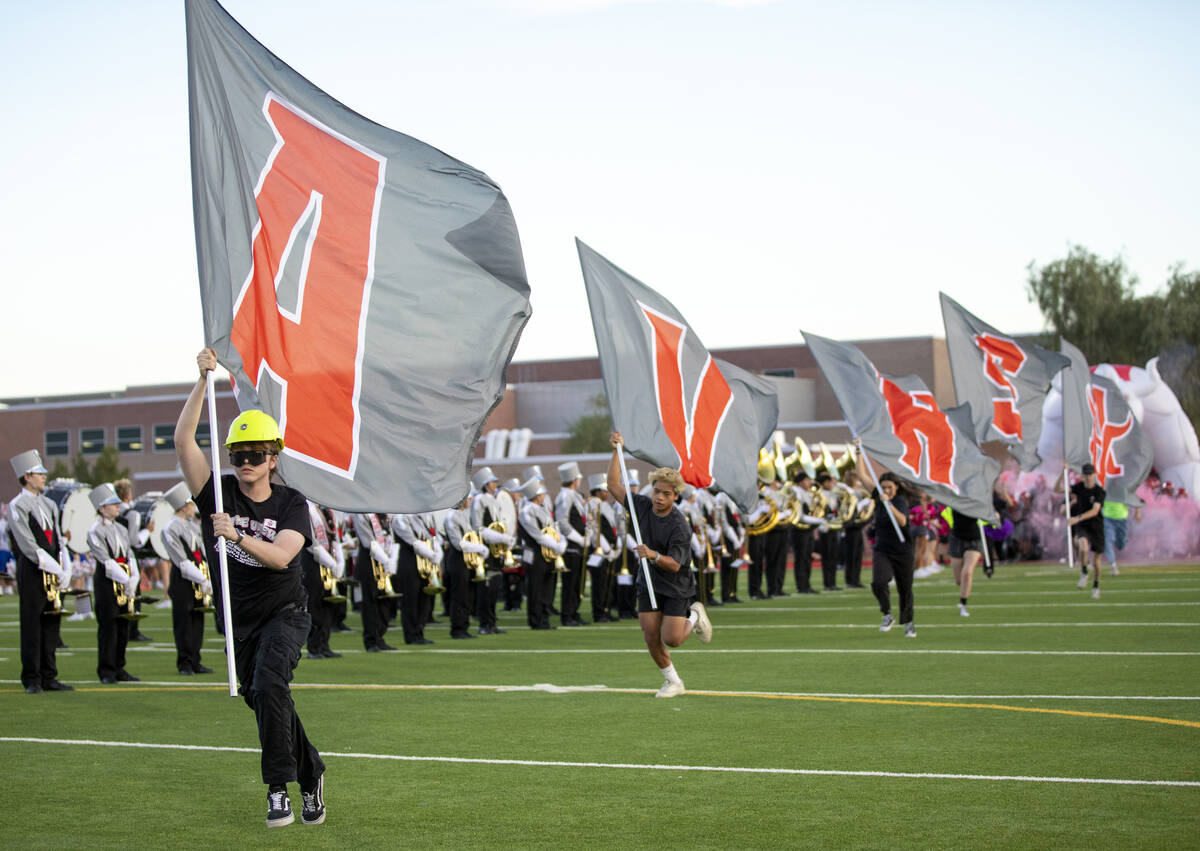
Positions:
(803, 683)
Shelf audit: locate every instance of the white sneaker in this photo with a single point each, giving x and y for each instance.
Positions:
(1096, 593)
(962, 610)
(1116, 570)
(78, 616)
(1082, 581)
(888, 622)
(164, 603)
(703, 627)
(670, 688)
(920, 573)
(910, 630)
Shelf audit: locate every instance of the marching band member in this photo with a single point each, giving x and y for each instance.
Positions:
(459, 576)
(533, 518)
(802, 534)
(852, 531)
(514, 578)
(570, 511)
(485, 510)
(734, 537)
(110, 547)
(417, 536)
(342, 542)
(139, 529)
(37, 547)
(687, 506)
(182, 541)
(265, 525)
(323, 557)
(604, 545)
(775, 547)
(756, 548)
(375, 546)
(827, 542)
(706, 502)
(626, 592)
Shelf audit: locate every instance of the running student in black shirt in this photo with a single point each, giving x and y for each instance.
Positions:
(892, 557)
(666, 544)
(1087, 526)
(265, 525)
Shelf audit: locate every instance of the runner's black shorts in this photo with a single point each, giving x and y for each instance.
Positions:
(673, 606)
(959, 547)
(1094, 536)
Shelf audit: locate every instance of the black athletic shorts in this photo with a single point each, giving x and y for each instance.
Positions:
(959, 547)
(673, 606)
(1095, 537)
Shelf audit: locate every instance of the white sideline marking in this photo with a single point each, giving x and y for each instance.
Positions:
(946, 603)
(553, 689)
(639, 651)
(725, 769)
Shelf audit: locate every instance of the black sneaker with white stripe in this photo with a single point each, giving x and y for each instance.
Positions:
(279, 808)
(312, 809)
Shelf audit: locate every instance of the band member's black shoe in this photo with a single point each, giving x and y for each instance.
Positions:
(108, 681)
(33, 688)
(55, 685)
(330, 654)
(141, 636)
(186, 672)
(126, 677)
(202, 669)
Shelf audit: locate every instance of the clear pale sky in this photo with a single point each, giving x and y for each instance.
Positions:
(766, 166)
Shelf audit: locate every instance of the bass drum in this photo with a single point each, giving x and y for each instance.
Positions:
(144, 506)
(161, 514)
(75, 511)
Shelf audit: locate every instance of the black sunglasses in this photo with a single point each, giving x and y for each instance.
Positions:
(253, 457)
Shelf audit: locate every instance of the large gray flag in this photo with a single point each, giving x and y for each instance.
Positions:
(1076, 413)
(361, 286)
(674, 405)
(1099, 429)
(902, 426)
(1005, 382)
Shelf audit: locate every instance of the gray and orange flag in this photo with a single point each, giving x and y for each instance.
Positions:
(674, 405)
(1004, 381)
(364, 288)
(902, 426)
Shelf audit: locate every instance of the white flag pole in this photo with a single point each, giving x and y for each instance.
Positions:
(870, 469)
(987, 556)
(1067, 513)
(637, 533)
(219, 499)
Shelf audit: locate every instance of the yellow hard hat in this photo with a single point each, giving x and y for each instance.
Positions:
(253, 427)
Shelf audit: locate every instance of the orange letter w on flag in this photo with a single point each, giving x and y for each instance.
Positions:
(318, 178)
(692, 429)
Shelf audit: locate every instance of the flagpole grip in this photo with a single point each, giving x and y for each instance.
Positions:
(887, 504)
(637, 533)
(222, 560)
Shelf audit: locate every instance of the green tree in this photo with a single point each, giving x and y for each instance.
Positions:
(105, 469)
(589, 432)
(1094, 304)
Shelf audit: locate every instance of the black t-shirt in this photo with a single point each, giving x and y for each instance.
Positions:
(256, 592)
(963, 526)
(671, 536)
(1085, 498)
(885, 532)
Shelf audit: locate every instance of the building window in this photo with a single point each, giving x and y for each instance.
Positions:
(91, 441)
(129, 438)
(202, 436)
(780, 372)
(58, 444)
(164, 437)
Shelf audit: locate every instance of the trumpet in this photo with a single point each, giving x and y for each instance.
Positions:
(432, 575)
(329, 582)
(550, 555)
(205, 601)
(383, 580)
(127, 603)
(710, 563)
(474, 561)
(503, 551)
(53, 593)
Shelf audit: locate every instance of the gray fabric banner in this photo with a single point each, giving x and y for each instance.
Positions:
(903, 428)
(1076, 415)
(1099, 428)
(1004, 382)
(364, 288)
(675, 405)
